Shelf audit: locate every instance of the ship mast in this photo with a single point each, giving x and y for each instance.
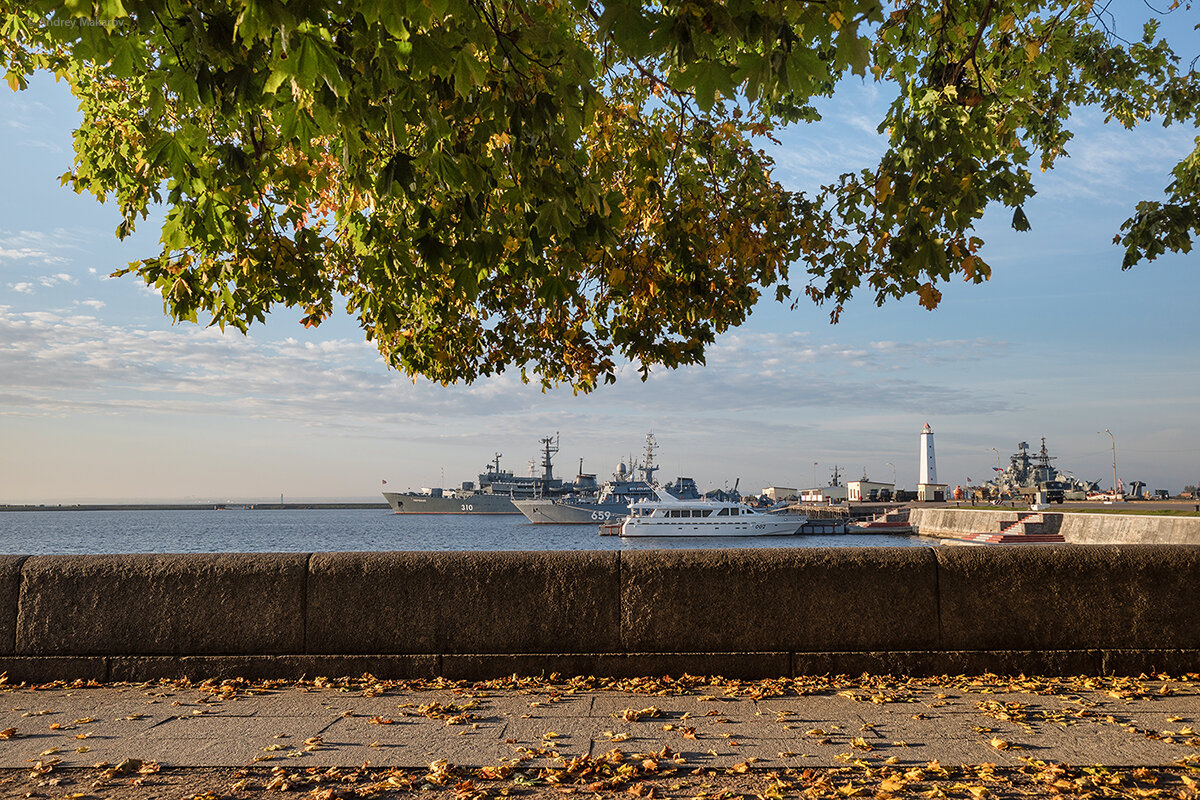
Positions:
(549, 448)
(649, 468)
(1044, 472)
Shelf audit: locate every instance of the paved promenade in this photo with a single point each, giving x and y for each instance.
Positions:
(525, 734)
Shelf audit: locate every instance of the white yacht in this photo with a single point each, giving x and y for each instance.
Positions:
(668, 516)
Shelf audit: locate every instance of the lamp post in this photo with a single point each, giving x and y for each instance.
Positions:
(893, 466)
(1114, 449)
(814, 474)
(998, 471)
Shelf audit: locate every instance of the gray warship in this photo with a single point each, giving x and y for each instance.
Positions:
(1029, 474)
(495, 491)
(613, 500)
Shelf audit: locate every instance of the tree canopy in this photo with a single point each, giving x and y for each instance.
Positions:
(562, 185)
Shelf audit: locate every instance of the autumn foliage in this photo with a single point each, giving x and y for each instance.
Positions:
(560, 186)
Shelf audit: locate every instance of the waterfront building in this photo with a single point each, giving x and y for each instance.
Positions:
(823, 494)
(870, 490)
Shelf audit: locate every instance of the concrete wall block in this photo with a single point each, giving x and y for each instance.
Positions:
(10, 587)
(926, 663)
(463, 602)
(1151, 662)
(747, 666)
(179, 604)
(803, 599)
(1024, 597)
(952, 522)
(35, 670)
(289, 667)
(1130, 529)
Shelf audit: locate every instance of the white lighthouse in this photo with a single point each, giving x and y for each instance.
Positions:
(928, 488)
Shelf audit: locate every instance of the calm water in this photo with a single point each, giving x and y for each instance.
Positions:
(324, 530)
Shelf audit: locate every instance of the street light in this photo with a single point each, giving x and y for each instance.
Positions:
(814, 474)
(997, 452)
(893, 466)
(1114, 447)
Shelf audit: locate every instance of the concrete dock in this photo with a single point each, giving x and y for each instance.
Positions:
(650, 737)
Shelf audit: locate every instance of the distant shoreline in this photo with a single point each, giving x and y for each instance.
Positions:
(189, 506)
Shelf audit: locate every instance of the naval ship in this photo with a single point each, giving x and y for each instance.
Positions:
(1029, 473)
(612, 502)
(495, 491)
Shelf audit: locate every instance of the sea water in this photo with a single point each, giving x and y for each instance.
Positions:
(245, 530)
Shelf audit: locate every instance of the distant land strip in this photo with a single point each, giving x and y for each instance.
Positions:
(187, 506)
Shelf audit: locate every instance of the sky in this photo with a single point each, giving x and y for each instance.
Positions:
(102, 399)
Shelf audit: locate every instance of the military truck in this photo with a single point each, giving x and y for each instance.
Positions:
(1055, 491)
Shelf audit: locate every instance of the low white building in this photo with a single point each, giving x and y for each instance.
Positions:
(931, 492)
(777, 493)
(868, 490)
(823, 494)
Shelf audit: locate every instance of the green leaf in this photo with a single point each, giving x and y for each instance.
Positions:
(1019, 221)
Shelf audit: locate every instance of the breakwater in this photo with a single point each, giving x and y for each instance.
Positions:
(738, 613)
(1074, 528)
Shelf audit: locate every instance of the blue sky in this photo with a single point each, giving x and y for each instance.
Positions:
(101, 398)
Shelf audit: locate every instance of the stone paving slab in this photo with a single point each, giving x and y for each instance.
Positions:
(301, 727)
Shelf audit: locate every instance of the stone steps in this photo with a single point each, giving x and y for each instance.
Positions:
(1028, 528)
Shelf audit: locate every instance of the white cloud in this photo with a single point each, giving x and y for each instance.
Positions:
(22, 253)
(1112, 166)
(45, 247)
(50, 281)
(62, 363)
(94, 304)
(22, 288)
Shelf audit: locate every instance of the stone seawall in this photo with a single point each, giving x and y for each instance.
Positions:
(739, 613)
(1076, 528)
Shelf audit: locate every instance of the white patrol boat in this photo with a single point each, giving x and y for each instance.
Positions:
(669, 516)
